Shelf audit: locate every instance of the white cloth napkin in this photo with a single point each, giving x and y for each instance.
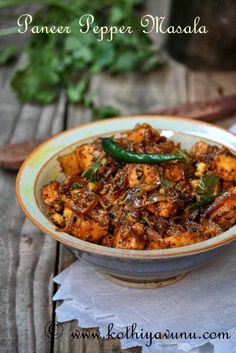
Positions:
(205, 300)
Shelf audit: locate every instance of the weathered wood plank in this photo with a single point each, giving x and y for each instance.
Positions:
(66, 341)
(39, 251)
(137, 94)
(77, 115)
(111, 346)
(206, 85)
(9, 108)
(27, 255)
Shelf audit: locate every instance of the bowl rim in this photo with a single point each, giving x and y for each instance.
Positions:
(108, 251)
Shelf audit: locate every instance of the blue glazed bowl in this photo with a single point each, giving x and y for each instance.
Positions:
(137, 268)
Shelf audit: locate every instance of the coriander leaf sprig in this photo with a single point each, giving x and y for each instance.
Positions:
(70, 60)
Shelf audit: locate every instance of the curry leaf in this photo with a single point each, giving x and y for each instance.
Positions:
(207, 185)
(91, 172)
(205, 201)
(206, 189)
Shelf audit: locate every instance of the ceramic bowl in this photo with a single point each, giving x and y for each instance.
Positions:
(133, 267)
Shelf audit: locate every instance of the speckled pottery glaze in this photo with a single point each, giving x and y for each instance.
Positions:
(144, 267)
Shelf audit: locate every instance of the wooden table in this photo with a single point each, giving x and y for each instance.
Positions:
(29, 259)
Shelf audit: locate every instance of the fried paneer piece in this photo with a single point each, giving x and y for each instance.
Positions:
(155, 244)
(142, 174)
(76, 162)
(88, 230)
(223, 210)
(130, 237)
(70, 164)
(107, 240)
(164, 209)
(50, 192)
(181, 239)
(58, 219)
(154, 240)
(225, 165)
(85, 154)
(211, 228)
(134, 175)
(143, 132)
(174, 171)
(172, 240)
(199, 149)
(201, 168)
(228, 185)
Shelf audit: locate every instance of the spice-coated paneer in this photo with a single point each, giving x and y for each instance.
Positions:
(70, 164)
(225, 166)
(50, 192)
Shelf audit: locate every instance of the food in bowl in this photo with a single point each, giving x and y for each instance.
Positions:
(142, 191)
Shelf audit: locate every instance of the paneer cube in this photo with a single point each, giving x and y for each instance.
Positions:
(164, 209)
(50, 192)
(88, 230)
(85, 155)
(200, 169)
(174, 171)
(58, 219)
(199, 149)
(181, 239)
(225, 165)
(224, 212)
(130, 237)
(70, 164)
(142, 132)
(142, 174)
(150, 173)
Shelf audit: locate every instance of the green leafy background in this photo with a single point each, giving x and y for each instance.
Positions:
(68, 61)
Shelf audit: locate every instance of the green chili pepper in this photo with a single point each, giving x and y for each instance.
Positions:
(118, 152)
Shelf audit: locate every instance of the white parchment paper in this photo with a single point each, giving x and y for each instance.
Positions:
(205, 300)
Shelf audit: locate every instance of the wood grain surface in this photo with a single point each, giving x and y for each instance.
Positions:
(29, 259)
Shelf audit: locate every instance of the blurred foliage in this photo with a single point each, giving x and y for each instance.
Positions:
(70, 60)
(8, 54)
